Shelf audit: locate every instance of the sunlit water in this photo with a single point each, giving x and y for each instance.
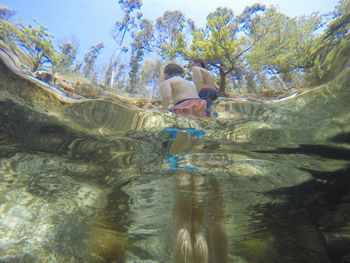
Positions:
(265, 182)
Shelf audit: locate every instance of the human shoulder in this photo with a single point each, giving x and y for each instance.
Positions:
(165, 82)
(176, 79)
(196, 69)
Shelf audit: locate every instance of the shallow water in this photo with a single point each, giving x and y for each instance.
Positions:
(91, 180)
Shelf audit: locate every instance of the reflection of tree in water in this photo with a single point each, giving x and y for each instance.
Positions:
(196, 204)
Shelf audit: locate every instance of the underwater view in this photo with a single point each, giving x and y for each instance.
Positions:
(94, 168)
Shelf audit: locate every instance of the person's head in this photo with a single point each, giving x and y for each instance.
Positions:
(197, 62)
(173, 69)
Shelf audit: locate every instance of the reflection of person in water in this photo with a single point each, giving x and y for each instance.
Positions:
(181, 92)
(193, 242)
(190, 243)
(216, 224)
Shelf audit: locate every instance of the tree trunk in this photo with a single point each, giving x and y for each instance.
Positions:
(113, 69)
(36, 62)
(222, 82)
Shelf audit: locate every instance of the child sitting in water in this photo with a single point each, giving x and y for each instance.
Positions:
(204, 80)
(181, 92)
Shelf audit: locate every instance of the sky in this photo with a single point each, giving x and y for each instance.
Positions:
(89, 22)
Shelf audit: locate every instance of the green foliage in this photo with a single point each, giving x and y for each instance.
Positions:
(8, 32)
(222, 42)
(36, 41)
(332, 50)
(140, 44)
(257, 48)
(282, 44)
(119, 77)
(151, 75)
(217, 43)
(128, 21)
(120, 33)
(63, 60)
(90, 59)
(6, 13)
(68, 51)
(109, 72)
(130, 5)
(169, 28)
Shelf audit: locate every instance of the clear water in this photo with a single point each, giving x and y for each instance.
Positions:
(92, 181)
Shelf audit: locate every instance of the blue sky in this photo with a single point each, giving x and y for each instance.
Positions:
(91, 21)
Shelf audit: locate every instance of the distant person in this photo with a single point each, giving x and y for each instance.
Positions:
(181, 92)
(205, 84)
(204, 80)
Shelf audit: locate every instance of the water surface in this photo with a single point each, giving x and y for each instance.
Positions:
(92, 180)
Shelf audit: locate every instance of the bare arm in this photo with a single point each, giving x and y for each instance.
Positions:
(216, 86)
(165, 91)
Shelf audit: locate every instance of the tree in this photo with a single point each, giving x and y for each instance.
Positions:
(169, 28)
(121, 28)
(90, 59)
(142, 42)
(38, 44)
(151, 74)
(69, 51)
(6, 13)
(8, 32)
(109, 72)
(331, 52)
(32, 44)
(62, 61)
(223, 41)
(282, 44)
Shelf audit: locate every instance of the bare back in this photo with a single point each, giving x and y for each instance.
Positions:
(203, 79)
(176, 89)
